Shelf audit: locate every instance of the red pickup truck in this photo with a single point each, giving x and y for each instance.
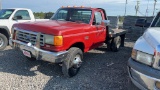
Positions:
(63, 39)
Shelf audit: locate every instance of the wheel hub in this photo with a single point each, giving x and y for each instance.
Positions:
(119, 43)
(77, 61)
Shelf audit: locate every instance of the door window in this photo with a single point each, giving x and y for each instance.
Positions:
(98, 18)
(24, 14)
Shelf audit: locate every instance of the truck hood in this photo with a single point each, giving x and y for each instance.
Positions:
(149, 41)
(152, 36)
(4, 22)
(53, 27)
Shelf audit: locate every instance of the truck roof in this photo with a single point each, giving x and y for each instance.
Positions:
(81, 7)
(90, 8)
(18, 8)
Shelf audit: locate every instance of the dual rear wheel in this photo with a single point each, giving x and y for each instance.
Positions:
(114, 44)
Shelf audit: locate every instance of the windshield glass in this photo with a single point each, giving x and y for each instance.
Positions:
(6, 13)
(158, 23)
(73, 15)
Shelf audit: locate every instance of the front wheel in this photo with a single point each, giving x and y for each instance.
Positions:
(72, 64)
(3, 41)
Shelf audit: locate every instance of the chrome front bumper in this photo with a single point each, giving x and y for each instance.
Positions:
(39, 54)
(141, 80)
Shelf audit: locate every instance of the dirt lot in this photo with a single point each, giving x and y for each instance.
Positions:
(101, 70)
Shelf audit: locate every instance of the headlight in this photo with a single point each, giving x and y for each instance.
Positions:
(54, 40)
(49, 39)
(142, 57)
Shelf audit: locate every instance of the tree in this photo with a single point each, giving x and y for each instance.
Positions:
(42, 15)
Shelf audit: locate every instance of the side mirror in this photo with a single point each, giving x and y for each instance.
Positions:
(106, 22)
(17, 18)
(141, 22)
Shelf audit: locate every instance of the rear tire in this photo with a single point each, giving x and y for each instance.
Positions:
(116, 43)
(72, 64)
(109, 44)
(3, 41)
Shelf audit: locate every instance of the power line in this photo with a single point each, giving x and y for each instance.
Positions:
(141, 13)
(147, 9)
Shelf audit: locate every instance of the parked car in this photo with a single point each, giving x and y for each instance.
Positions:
(71, 32)
(144, 64)
(8, 17)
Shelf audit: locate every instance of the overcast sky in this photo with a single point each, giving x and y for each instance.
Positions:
(113, 7)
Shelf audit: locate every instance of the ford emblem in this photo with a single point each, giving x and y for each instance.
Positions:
(28, 37)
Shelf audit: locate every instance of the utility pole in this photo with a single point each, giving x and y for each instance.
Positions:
(137, 7)
(147, 9)
(0, 4)
(155, 1)
(125, 8)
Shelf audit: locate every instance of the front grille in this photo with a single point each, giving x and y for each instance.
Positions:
(27, 37)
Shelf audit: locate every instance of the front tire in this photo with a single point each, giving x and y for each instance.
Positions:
(72, 64)
(3, 41)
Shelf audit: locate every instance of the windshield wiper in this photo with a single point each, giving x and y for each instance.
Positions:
(72, 20)
(76, 21)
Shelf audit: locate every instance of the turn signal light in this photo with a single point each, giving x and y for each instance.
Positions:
(75, 6)
(58, 40)
(82, 6)
(158, 85)
(134, 54)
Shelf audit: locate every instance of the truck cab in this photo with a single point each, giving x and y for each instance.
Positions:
(144, 64)
(8, 17)
(63, 39)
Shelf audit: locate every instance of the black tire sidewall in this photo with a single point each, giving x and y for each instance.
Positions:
(67, 63)
(5, 41)
(115, 41)
(109, 44)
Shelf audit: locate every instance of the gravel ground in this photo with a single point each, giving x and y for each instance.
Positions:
(101, 70)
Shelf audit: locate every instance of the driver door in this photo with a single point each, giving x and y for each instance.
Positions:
(100, 28)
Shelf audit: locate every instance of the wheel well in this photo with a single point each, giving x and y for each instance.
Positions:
(5, 32)
(79, 45)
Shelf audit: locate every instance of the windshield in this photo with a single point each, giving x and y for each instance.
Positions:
(156, 21)
(6, 13)
(73, 15)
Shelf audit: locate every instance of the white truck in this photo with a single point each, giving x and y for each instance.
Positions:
(144, 64)
(8, 17)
